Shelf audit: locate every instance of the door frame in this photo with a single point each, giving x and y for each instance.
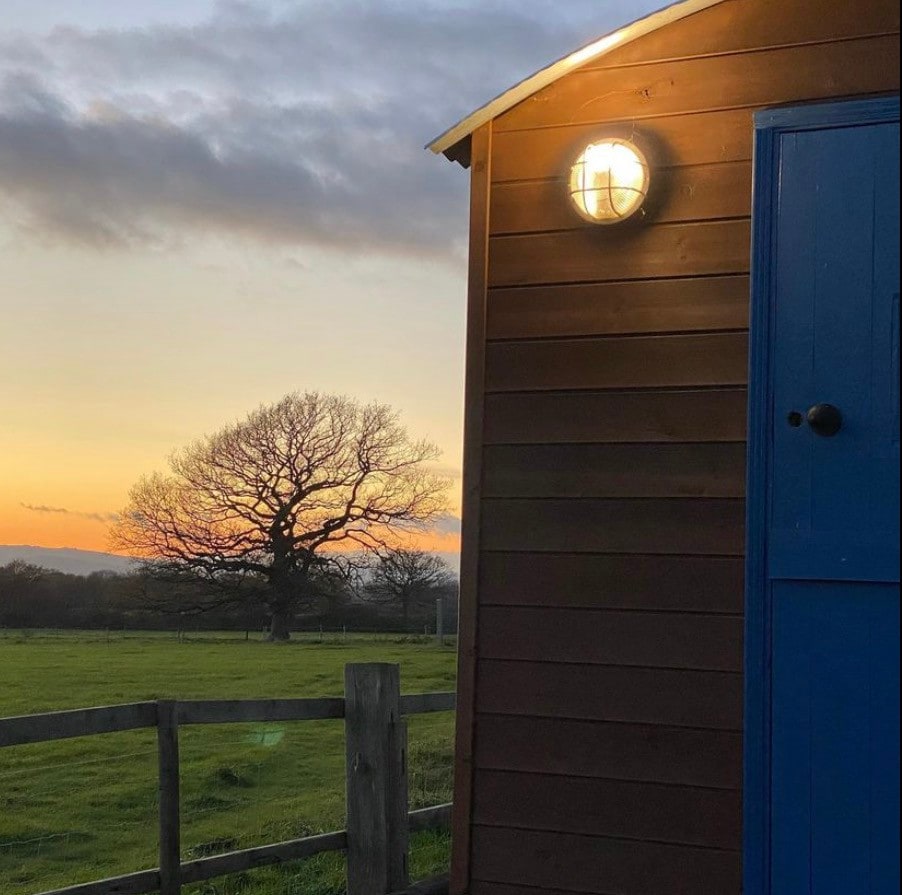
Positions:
(770, 126)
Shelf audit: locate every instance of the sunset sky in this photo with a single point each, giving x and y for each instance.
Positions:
(205, 205)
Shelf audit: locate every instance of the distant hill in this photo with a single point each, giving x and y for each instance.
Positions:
(84, 562)
(69, 560)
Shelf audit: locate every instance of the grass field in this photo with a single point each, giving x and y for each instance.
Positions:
(84, 809)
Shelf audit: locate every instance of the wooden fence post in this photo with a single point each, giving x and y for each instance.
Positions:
(376, 741)
(170, 820)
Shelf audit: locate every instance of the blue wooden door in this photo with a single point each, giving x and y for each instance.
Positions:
(825, 591)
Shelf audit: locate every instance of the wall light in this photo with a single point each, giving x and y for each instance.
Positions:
(609, 181)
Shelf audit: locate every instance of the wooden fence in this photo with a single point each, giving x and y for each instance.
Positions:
(378, 822)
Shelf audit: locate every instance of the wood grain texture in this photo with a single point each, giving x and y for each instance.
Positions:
(170, 841)
(262, 856)
(641, 753)
(665, 583)
(642, 811)
(44, 728)
(629, 252)
(604, 693)
(617, 417)
(741, 26)
(677, 195)
(802, 73)
(258, 711)
(608, 637)
(471, 501)
(603, 866)
(599, 309)
(614, 470)
(376, 747)
(681, 527)
(719, 359)
(130, 884)
(706, 138)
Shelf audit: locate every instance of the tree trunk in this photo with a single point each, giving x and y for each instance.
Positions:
(280, 626)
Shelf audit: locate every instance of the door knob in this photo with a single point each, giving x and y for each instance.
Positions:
(825, 420)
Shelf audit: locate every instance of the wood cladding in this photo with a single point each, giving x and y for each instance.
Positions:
(678, 815)
(682, 527)
(707, 699)
(651, 306)
(677, 195)
(617, 417)
(615, 363)
(606, 470)
(628, 252)
(802, 73)
(599, 866)
(739, 27)
(646, 583)
(608, 653)
(646, 639)
(705, 138)
(641, 753)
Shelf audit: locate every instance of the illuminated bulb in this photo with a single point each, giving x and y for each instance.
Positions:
(609, 181)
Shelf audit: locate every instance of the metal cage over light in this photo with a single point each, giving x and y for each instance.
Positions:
(609, 181)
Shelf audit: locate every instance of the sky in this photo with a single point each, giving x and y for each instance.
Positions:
(207, 204)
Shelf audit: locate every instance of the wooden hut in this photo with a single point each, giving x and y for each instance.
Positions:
(618, 548)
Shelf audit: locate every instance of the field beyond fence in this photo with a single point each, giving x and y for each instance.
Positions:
(83, 809)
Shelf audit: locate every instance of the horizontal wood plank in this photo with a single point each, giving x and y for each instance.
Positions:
(719, 359)
(632, 251)
(598, 866)
(643, 811)
(711, 759)
(746, 25)
(617, 417)
(648, 639)
(820, 71)
(263, 856)
(705, 138)
(666, 583)
(259, 711)
(427, 703)
(131, 884)
(615, 470)
(76, 723)
(599, 309)
(677, 194)
(437, 818)
(683, 527)
(601, 693)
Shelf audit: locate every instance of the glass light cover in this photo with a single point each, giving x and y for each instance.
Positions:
(609, 181)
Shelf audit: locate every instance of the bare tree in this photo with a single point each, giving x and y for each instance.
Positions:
(409, 579)
(294, 493)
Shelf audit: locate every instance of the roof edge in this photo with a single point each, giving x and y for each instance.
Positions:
(548, 75)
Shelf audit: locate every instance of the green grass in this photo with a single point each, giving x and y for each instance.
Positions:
(84, 809)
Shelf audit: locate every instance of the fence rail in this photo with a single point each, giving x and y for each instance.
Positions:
(379, 822)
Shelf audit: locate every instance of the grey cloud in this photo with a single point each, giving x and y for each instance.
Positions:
(448, 525)
(105, 518)
(285, 123)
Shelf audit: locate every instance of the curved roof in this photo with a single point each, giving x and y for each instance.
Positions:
(448, 142)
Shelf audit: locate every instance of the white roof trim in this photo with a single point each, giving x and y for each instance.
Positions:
(556, 70)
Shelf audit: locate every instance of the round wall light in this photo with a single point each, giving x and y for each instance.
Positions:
(609, 181)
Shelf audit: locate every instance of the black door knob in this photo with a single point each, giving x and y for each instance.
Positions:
(825, 420)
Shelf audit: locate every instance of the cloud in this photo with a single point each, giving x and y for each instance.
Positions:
(105, 518)
(447, 525)
(285, 123)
